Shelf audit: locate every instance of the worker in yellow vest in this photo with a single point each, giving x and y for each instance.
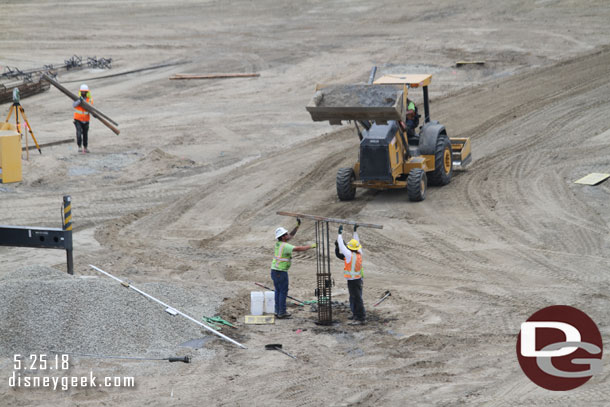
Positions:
(411, 121)
(81, 118)
(352, 271)
(282, 260)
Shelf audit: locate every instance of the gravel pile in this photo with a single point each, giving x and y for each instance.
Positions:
(357, 96)
(43, 309)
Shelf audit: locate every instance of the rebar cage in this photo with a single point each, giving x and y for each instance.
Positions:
(323, 277)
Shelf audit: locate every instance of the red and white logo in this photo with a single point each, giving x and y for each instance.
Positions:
(559, 348)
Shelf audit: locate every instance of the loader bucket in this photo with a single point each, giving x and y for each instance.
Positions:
(461, 152)
(379, 103)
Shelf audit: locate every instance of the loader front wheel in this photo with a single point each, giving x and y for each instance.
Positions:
(417, 183)
(345, 190)
(443, 161)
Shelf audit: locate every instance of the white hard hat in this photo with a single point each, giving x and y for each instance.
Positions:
(84, 87)
(279, 232)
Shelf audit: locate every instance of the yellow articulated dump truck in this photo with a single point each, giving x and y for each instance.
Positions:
(394, 152)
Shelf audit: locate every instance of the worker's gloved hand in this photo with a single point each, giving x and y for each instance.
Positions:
(313, 246)
(340, 229)
(298, 222)
(355, 228)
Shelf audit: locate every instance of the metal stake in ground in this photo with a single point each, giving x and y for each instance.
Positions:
(184, 359)
(278, 347)
(386, 295)
(126, 284)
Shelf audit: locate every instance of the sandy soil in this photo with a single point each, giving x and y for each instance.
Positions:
(188, 193)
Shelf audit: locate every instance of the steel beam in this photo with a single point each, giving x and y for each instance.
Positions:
(29, 236)
(331, 220)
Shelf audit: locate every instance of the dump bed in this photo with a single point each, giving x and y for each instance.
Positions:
(357, 102)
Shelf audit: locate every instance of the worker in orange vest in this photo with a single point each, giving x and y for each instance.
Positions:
(81, 118)
(352, 257)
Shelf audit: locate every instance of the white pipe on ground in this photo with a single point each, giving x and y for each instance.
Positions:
(168, 306)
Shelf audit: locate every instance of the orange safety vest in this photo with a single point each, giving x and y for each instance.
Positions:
(353, 272)
(81, 114)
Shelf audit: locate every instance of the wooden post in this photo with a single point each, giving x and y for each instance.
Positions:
(214, 76)
(67, 226)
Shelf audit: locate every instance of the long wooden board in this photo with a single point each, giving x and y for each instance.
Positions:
(214, 76)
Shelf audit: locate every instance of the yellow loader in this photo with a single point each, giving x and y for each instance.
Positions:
(392, 155)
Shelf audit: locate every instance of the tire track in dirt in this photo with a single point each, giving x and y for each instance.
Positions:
(517, 95)
(125, 233)
(511, 166)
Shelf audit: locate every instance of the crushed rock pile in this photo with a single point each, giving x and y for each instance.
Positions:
(357, 96)
(43, 309)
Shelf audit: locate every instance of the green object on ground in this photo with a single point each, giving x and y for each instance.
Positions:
(214, 321)
(307, 303)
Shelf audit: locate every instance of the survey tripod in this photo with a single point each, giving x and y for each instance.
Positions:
(323, 278)
(17, 108)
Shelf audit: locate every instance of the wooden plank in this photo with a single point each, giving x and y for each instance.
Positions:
(413, 80)
(332, 220)
(26, 89)
(214, 76)
(51, 143)
(592, 179)
(259, 319)
(460, 63)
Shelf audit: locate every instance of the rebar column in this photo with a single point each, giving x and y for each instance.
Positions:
(324, 282)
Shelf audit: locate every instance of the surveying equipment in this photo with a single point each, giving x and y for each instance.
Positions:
(324, 282)
(17, 108)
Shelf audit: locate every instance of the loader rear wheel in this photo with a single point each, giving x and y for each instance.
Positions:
(443, 161)
(417, 183)
(345, 190)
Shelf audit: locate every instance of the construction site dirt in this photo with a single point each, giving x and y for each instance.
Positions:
(183, 203)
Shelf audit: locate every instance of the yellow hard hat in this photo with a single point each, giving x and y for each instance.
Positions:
(354, 245)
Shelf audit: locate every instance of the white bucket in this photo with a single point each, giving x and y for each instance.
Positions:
(256, 302)
(269, 302)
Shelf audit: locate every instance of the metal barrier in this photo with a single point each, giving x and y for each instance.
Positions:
(43, 238)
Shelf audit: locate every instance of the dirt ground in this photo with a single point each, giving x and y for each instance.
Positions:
(188, 193)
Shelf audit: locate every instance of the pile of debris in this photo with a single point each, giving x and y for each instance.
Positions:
(44, 309)
(28, 81)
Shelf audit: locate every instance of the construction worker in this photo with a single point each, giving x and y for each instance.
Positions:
(281, 263)
(81, 118)
(352, 257)
(412, 119)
